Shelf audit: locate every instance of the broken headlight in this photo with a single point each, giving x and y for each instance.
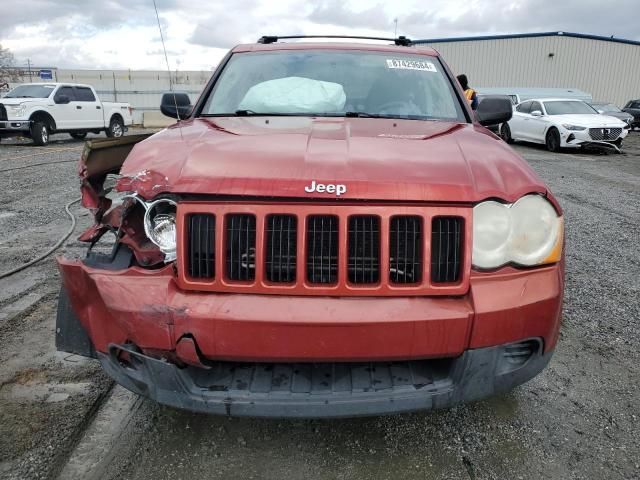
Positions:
(160, 226)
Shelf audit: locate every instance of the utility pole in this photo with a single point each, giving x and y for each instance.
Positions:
(29, 67)
(395, 32)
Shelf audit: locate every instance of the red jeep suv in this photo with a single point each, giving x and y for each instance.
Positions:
(329, 231)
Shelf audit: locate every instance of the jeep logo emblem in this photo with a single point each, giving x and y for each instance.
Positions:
(338, 189)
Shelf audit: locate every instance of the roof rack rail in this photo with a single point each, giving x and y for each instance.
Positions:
(401, 40)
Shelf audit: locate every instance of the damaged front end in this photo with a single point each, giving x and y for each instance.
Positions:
(128, 230)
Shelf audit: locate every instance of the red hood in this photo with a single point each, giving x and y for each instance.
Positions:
(376, 159)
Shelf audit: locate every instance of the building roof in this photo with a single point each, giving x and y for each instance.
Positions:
(530, 35)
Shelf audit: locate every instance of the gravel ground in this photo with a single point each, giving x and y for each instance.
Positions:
(577, 420)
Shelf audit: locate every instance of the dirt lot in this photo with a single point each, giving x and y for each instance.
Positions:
(60, 417)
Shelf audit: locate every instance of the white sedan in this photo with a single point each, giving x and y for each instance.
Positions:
(563, 123)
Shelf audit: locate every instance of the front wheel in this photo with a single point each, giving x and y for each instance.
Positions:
(78, 135)
(505, 133)
(552, 140)
(40, 133)
(116, 128)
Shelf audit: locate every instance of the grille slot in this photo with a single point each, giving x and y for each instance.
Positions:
(322, 249)
(241, 247)
(405, 249)
(446, 254)
(517, 354)
(602, 134)
(281, 248)
(364, 249)
(3, 112)
(201, 246)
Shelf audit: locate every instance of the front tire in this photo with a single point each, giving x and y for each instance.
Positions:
(552, 140)
(116, 128)
(78, 135)
(505, 133)
(40, 133)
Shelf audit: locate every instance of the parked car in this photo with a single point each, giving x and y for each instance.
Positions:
(563, 123)
(611, 110)
(519, 95)
(310, 240)
(633, 108)
(37, 110)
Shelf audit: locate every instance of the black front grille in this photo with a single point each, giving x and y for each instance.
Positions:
(604, 134)
(364, 249)
(3, 112)
(241, 247)
(446, 254)
(405, 250)
(281, 248)
(201, 229)
(322, 249)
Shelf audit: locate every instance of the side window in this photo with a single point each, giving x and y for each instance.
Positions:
(84, 94)
(524, 107)
(635, 105)
(536, 106)
(64, 91)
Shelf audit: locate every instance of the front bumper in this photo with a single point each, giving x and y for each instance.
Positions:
(166, 343)
(14, 127)
(582, 138)
(326, 390)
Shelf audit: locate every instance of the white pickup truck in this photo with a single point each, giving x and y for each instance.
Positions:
(37, 110)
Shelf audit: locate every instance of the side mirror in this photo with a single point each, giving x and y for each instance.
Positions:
(536, 113)
(62, 99)
(493, 110)
(175, 105)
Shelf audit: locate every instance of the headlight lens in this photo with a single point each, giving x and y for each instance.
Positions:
(528, 233)
(573, 127)
(160, 226)
(17, 110)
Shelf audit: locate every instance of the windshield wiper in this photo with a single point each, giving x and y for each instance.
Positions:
(379, 115)
(245, 113)
(251, 113)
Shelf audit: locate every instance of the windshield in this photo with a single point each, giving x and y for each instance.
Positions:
(568, 108)
(334, 83)
(31, 91)
(606, 107)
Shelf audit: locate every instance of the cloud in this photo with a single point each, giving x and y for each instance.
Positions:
(337, 12)
(124, 33)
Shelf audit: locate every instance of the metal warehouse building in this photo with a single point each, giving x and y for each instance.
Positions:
(608, 68)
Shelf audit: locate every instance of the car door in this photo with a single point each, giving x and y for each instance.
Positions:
(537, 124)
(516, 124)
(89, 109)
(64, 109)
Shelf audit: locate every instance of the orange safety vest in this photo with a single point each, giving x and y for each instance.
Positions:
(468, 94)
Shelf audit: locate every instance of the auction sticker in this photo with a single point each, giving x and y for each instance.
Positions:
(411, 65)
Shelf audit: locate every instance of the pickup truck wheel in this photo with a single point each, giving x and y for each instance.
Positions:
(552, 140)
(116, 128)
(40, 133)
(78, 135)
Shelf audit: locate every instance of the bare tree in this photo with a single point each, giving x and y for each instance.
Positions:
(7, 72)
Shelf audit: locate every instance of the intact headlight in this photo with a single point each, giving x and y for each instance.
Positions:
(528, 233)
(160, 226)
(573, 127)
(17, 110)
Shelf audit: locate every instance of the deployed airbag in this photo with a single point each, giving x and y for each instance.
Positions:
(294, 95)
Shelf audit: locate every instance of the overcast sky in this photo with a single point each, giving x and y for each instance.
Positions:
(124, 33)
